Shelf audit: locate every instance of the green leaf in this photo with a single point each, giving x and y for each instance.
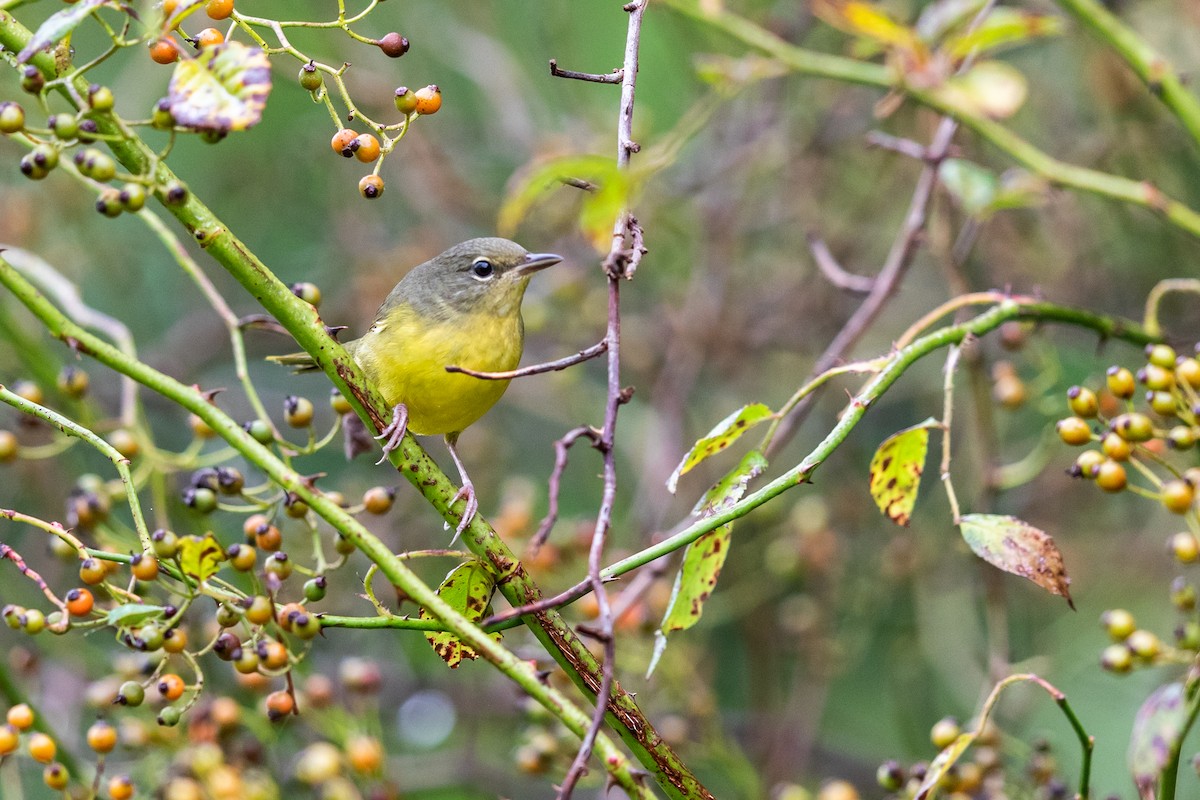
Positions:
(224, 88)
(58, 25)
(990, 88)
(973, 186)
(726, 432)
(600, 204)
(200, 556)
(468, 588)
(704, 558)
(1156, 730)
(1004, 27)
(132, 614)
(896, 468)
(939, 18)
(942, 764)
(1019, 189)
(1017, 547)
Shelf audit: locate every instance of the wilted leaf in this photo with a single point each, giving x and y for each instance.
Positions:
(608, 194)
(704, 558)
(200, 556)
(944, 761)
(896, 471)
(129, 614)
(1156, 731)
(1003, 27)
(990, 88)
(468, 589)
(1017, 547)
(726, 432)
(224, 88)
(58, 25)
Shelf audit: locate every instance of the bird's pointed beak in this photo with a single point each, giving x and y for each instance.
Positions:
(535, 262)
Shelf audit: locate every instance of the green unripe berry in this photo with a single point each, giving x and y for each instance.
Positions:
(339, 403)
(169, 717)
(1183, 594)
(12, 616)
(132, 197)
(1088, 463)
(1184, 547)
(1160, 355)
(1181, 437)
(174, 193)
(1111, 477)
(1187, 371)
(1144, 644)
(150, 638)
(32, 80)
(109, 203)
(130, 694)
(1162, 403)
(314, 589)
(1120, 382)
(12, 117)
(310, 78)
(162, 118)
(1118, 623)
(73, 381)
(164, 543)
(34, 621)
(1074, 431)
(279, 565)
(308, 292)
(227, 615)
(406, 100)
(1083, 402)
(202, 499)
(37, 163)
(1156, 378)
(306, 625)
(890, 776)
(230, 480)
(1187, 635)
(100, 98)
(298, 411)
(944, 732)
(1116, 658)
(294, 507)
(1133, 427)
(246, 660)
(260, 431)
(64, 126)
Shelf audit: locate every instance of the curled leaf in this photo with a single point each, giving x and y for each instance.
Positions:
(896, 470)
(468, 588)
(224, 88)
(200, 556)
(725, 433)
(1017, 547)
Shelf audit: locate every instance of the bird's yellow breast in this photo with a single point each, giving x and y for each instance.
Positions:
(406, 355)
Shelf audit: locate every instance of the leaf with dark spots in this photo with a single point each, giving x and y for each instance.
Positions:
(224, 88)
(896, 469)
(1156, 730)
(1018, 547)
(726, 432)
(468, 588)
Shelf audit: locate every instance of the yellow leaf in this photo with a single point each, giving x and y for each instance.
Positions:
(200, 556)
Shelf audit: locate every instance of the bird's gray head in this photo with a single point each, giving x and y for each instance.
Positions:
(487, 275)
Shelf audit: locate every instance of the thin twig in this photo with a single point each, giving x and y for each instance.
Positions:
(947, 415)
(613, 77)
(833, 271)
(905, 147)
(560, 464)
(622, 261)
(586, 354)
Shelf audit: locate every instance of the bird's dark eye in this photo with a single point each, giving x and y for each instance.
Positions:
(482, 268)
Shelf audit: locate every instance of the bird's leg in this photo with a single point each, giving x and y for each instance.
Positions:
(467, 491)
(394, 432)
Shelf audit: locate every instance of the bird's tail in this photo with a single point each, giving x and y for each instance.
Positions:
(303, 362)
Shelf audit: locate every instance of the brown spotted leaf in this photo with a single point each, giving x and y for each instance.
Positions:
(942, 764)
(724, 434)
(896, 471)
(704, 558)
(200, 556)
(468, 589)
(224, 88)
(1160, 722)
(1018, 547)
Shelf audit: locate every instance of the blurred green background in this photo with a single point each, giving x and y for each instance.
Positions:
(835, 640)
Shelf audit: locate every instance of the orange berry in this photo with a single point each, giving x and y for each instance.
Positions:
(42, 748)
(175, 640)
(1177, 496)
(144, 567)
(279, 705)
(56, 776)
(80, 602)
(367, 149)
(209, 37)
(429, 99)
(343, 142)
(287, 613)
(219, 9)
(165, 51)
(170, 686)
(272, 654)
(21, 717)
(9, 739)
(365, 754)
(120, 787)
(102, 737)
(371, 186)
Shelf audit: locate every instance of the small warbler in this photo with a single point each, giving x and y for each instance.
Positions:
(460, 308)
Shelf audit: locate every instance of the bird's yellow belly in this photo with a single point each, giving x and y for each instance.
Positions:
(408, 363)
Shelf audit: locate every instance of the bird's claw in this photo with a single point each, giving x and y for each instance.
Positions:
(394, 432)
(467, 491)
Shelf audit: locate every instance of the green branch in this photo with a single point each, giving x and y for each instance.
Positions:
(1151, 67)
(1059, 173)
